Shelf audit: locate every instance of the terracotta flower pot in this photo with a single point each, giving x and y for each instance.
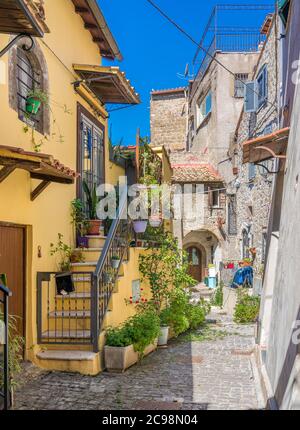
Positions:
(94, 227)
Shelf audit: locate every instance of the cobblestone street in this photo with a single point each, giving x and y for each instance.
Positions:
(212, 371)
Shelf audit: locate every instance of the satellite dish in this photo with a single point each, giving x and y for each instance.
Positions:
(186, 72)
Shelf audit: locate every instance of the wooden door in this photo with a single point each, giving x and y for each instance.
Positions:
(195, 263)
(12, 264)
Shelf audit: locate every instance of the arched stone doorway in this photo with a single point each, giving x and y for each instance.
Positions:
(197, 261)
(209, 247)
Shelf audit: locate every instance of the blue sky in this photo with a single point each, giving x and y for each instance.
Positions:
(155, 52)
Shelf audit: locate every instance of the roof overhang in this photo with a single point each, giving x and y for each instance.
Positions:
(201, 173)
(109, 84)
(22, 16)
(263, 148)
(40, 166)
(94, 21)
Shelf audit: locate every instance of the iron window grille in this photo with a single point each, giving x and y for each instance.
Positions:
(28, 80)
(239, 87)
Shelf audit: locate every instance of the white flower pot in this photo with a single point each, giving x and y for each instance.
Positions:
(155, 222)
(164, 336)
(115, 264)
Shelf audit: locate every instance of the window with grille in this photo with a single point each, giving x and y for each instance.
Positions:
(28, 79)
(239, 87)
(232, 215)
(91, 155)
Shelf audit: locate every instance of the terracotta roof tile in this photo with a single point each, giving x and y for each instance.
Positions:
(200, 173)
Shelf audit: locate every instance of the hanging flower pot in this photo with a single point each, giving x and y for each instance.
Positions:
(140, 226)
(33, 105)
(155, 221)
(115, 262)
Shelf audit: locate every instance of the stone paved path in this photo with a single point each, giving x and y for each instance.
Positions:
(209, 374)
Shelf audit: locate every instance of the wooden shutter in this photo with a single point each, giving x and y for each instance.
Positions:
(251, 99)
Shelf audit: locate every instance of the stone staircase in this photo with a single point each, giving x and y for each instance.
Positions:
(67, 344)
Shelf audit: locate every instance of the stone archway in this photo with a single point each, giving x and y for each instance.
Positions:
(209, 247)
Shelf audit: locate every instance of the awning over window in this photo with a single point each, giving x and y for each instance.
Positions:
(22, 16)
(109, 84)
(262, 148)
(40, 166)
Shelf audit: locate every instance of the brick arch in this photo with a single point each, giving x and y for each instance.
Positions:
(38, 61)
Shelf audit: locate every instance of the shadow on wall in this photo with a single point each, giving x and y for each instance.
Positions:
(287, 383)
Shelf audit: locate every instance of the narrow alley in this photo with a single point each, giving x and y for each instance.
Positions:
(193, 373)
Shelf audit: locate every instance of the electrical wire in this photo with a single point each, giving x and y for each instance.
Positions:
(184, 32)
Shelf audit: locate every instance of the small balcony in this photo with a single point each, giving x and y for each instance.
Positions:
(223, 35)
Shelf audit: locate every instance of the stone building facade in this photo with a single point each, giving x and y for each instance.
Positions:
(208, 136)
(168, 119)
(249, 187)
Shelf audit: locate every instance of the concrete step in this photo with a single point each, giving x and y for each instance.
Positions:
(70, 314)
(96, 241)
(65, 360)
(67, 355)
(74, 296)
(91, 254)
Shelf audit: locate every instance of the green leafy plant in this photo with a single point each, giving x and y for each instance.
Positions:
(115, 257)
(64, 253)
(16, 344)
(119, 336)
(196, 313)
(81, 224)
(39, 95)
(140, 331)
(164, 269)
(92, 199)
(247, 308)
(144, 328)
(217, 298)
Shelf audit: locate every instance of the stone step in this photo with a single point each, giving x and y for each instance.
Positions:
(66, 355)
(66, 334)
(96, 241)
(91, 254)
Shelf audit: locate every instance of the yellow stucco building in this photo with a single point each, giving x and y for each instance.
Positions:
(62, 57)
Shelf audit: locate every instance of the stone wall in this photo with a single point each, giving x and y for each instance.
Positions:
(168, 119)
(254, 195)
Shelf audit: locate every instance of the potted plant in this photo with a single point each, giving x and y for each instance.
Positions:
(164, 330)
(115, 261)
(81, 224)
(130, 342)
(34, 100)
(247, 262)
(140, 226)
(155, 221)
(92, 201)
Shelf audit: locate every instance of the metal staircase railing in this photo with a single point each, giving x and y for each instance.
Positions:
(104, 279)
(4, 366)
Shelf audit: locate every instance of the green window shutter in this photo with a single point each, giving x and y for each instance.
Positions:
(283, 9)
